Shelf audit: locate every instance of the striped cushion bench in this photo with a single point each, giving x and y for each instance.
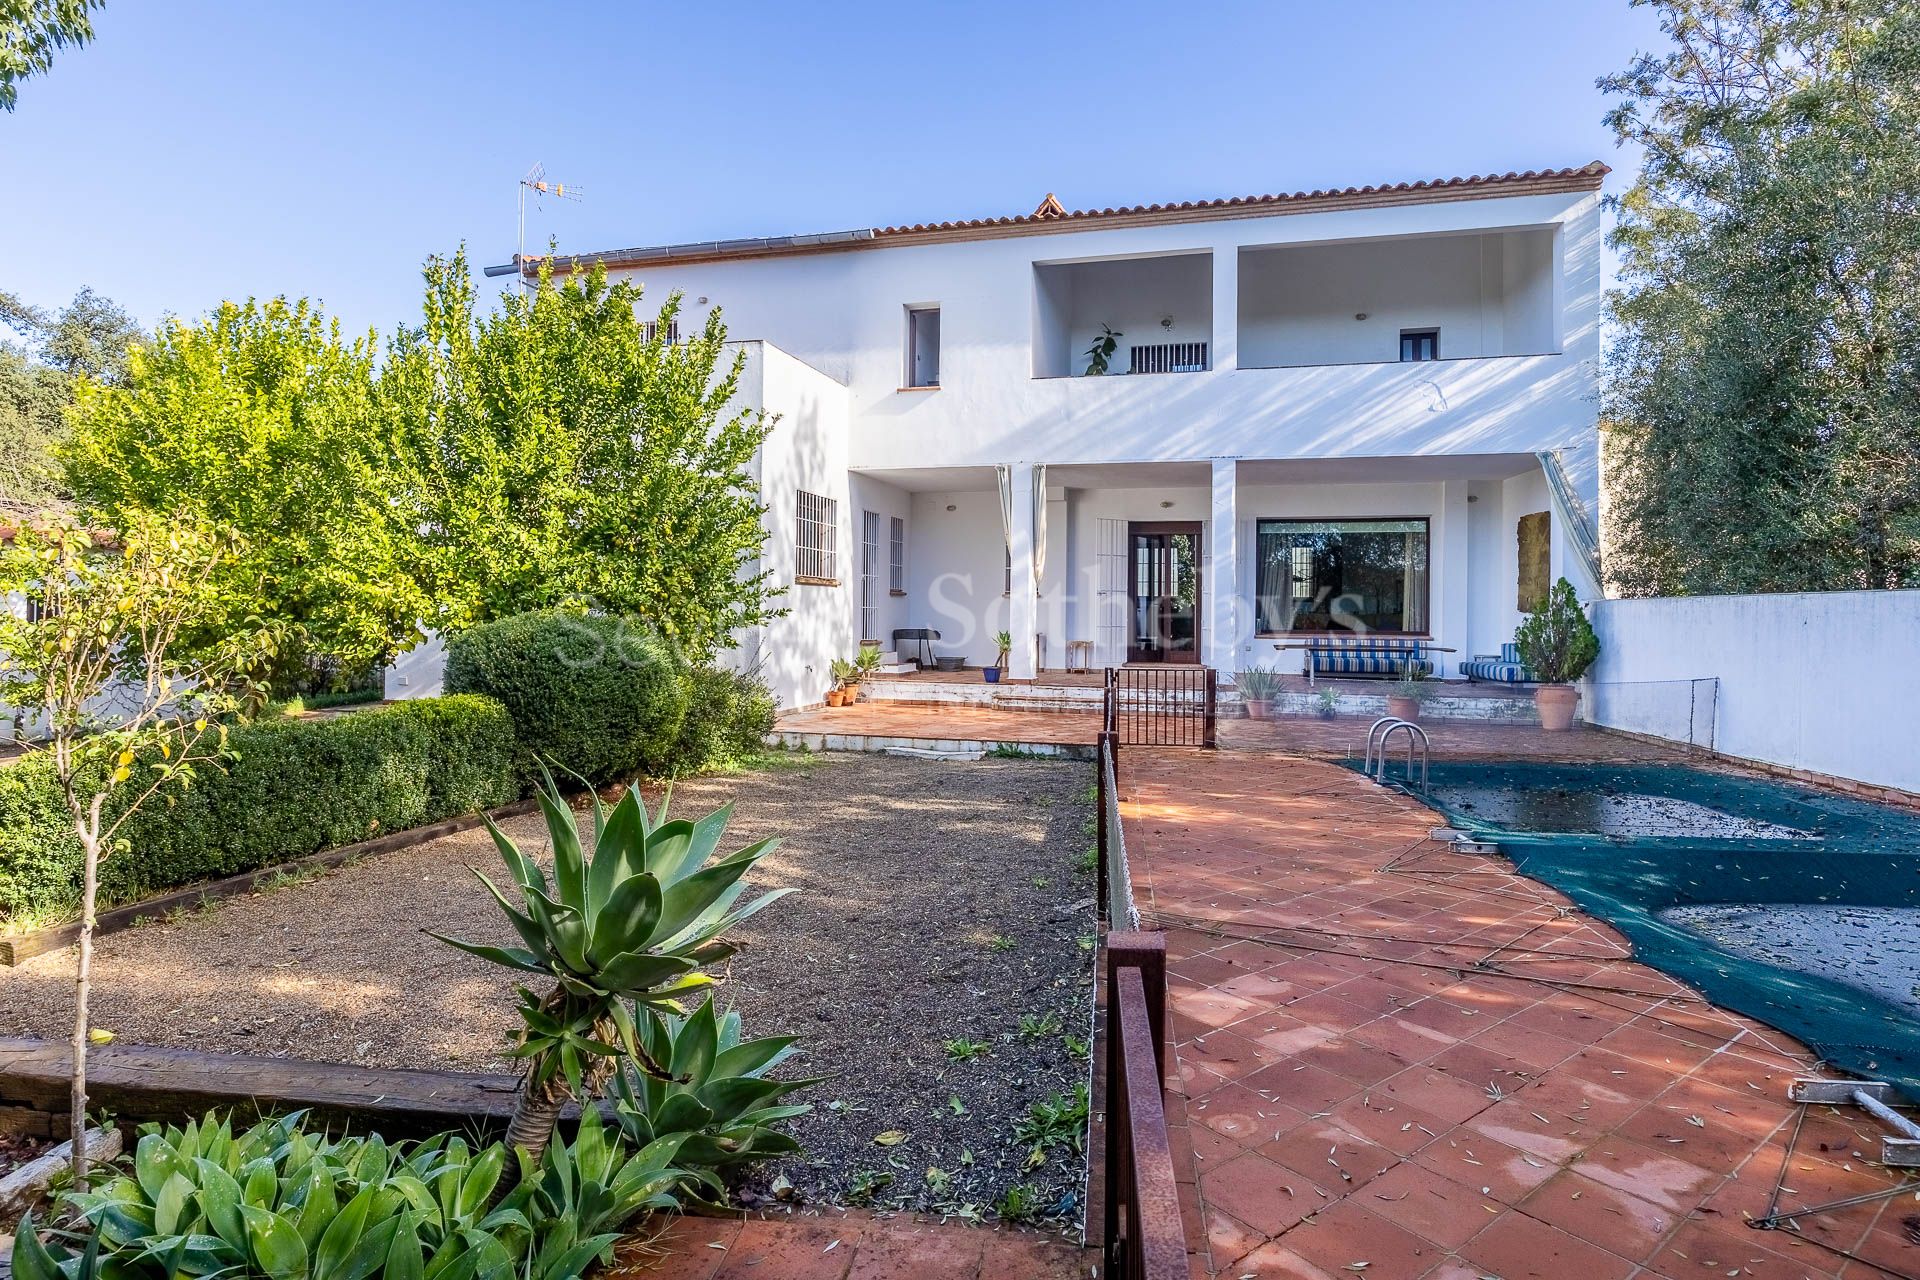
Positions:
(1367, 656)
(1506, 669)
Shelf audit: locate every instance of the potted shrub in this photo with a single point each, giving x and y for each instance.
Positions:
(1004, 641)
(846, 683)
(1558, 645)
(1329, 704)
(1258, 685)
(1406, 693)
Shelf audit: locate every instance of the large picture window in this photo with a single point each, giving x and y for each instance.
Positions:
(1341, 575)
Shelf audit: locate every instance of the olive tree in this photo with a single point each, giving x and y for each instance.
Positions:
(90, 650)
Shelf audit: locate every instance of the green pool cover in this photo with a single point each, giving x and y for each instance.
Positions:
(1796, 908)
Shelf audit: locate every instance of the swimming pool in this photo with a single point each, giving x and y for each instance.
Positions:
(1795, 907)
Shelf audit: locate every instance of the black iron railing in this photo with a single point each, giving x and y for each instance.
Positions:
(1172, 705)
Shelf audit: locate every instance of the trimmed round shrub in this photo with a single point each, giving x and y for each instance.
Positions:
(598, 696)
(729, 715)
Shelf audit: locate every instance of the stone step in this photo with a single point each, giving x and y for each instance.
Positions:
(896, 668)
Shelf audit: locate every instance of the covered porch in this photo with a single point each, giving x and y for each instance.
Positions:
(1229, 562)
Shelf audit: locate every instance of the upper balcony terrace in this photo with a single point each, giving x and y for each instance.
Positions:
(1378, 301)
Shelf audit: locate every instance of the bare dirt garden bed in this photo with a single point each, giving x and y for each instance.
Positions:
(936, 961)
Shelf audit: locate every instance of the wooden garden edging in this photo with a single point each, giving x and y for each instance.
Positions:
(142, 1082)
(24, 946)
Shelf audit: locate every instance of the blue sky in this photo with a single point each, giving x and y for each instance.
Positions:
(200, 151)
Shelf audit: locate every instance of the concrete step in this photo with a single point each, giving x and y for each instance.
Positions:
(896, 668)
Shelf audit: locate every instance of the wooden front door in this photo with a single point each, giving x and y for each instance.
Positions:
(1163, 587)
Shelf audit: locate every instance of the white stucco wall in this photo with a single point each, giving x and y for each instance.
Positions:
(806, 449)
(842, 313)
(1824, 682)
(1489, 295)
(420, 672)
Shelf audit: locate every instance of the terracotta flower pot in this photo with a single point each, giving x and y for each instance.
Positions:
(1404, 708)
(1556, 702)
(1259, 709)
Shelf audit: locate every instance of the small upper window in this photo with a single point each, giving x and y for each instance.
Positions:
(672, 334)
(1419, 344)
(817, 521)
(923, 346)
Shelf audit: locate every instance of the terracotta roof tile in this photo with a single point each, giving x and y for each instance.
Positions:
(1051, 216)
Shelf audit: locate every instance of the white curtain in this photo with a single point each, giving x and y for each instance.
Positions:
(1005, 475)
(1039, 525)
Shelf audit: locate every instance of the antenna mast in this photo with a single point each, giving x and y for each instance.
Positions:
(537, 182)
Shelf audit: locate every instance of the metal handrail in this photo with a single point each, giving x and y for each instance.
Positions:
(1366, 764)
(1413, 731)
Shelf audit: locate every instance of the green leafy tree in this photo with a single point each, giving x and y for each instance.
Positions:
(30, 33)
(261, 418)
(561, 450)
(95, 658)
(1762, 394)
(92, 338)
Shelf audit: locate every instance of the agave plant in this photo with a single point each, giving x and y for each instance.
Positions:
(276, 1201)
(718, 1101)
(630, 927)
(287, 1205)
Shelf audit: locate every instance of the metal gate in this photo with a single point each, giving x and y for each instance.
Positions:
(1171, 705)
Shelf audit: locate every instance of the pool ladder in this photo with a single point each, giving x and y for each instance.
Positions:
(1375, 763)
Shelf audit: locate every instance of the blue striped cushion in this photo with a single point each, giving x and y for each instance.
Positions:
(1510, 652)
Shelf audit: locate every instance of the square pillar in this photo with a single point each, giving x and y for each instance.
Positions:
(1225, 353)
(1023, 605)
(1222, 583)
(1450, 566)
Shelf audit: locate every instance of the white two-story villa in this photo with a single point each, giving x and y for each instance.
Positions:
(1365, 410)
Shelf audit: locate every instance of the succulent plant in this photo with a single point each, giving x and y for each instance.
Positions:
(719, 1100)
(630, 927)
(278, 1202)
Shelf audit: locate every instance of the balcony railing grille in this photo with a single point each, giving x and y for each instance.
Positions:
(1170, 357)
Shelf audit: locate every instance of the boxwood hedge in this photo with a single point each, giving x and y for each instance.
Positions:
(592, 694)
(295, 786)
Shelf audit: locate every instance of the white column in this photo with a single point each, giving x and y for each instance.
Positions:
(1222, 588)
(1023, 614)
(1451, 566)
(1225, 353)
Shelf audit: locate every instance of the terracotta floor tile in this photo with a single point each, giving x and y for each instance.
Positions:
(809, 1250)
(1697, 1250)
(1248, 1118)
(1354, 1060)
(1277, 1262)
(1400, 1127)
(683, 1249)
(1495, 1169)
(1517, 1247)
(1657, 1176)
(916, 1252)
(1340, 1237)
(1332, 1155)
(1435, 1091)
(1439, 1209)
(1612, 1219)
(1303, 1086)
(1260, 1193)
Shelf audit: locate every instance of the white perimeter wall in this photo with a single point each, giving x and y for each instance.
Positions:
(1825, 682)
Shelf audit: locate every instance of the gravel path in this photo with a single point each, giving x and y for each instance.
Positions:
(937, 901)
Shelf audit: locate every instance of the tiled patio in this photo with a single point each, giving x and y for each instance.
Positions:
(1395, 1061)
(844, 1246)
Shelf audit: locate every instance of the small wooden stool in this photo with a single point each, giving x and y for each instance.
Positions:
(1079, 655)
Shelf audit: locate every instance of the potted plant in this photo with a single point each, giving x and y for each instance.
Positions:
(846, 683)
(1102, 350)
(1004, 640)
(1406, 693)
(1558, 645)
(1329, 704)
(1257, 686)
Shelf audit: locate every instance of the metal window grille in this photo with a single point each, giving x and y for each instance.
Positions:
(897, 556)
(673, 331)
(816, 554)
(1170, 357)
(869, 575)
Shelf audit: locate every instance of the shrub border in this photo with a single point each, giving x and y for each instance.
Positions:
(24, 946)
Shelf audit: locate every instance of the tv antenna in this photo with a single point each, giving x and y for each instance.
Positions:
(540, 186)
